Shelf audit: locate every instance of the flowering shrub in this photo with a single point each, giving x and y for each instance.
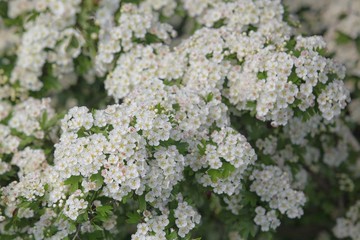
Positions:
(178, 119)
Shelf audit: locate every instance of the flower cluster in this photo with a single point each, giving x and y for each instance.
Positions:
(145, 151)
(8, 40)
(9, 143)
(274, 78)
(340, 22)
(267, 220)
(134, 22)
(27, 116)
(349, 226)
(29, 160)
(152, 228)
(21, 125)
(50, 30)
(74, 204)
(41, 229)
(227, 153)
(273, 186)
(186, 218)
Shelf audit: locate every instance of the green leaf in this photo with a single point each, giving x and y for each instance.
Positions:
(3, 9)
(103, 213)
(176, 106)
(82, 132)
(96, 235)
(342, 38)
(104, 210)
(51, 83)
(202, 148)
(51, 230)
(97, 227)
(149, 38)
(247, 228)
(172, 236)
(43, 120)
(133, 218)
(74, 43)
(182, 147)
(98, 179)
(266, 236)
(219, 23)
(251, 104)
(24, 204)
(294, 78)
(290, 45)
(227, 170)
(50, 123)
(262, 75)
(142, 203)
(233, 58)
(322, 51)
(214, 174)
(72, 227)
(223, 172)
(26, 141)
(73, 181)
(209, 97)
(83, 217)
(173, 82)
(252, 28)
(124, 199)
(82, 64)
(249, 198)
(357, 42)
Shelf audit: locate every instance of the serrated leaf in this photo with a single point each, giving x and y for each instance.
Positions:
(72, 227)
(133, 218)
(247, 228)
(249, 198)
(182, 147)
(73, 181)
(214, 174)
(104, 210)
(172, 236)
(227, 170)
(97, 227)
(83, 217)
(98, 179)
(290, 45)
